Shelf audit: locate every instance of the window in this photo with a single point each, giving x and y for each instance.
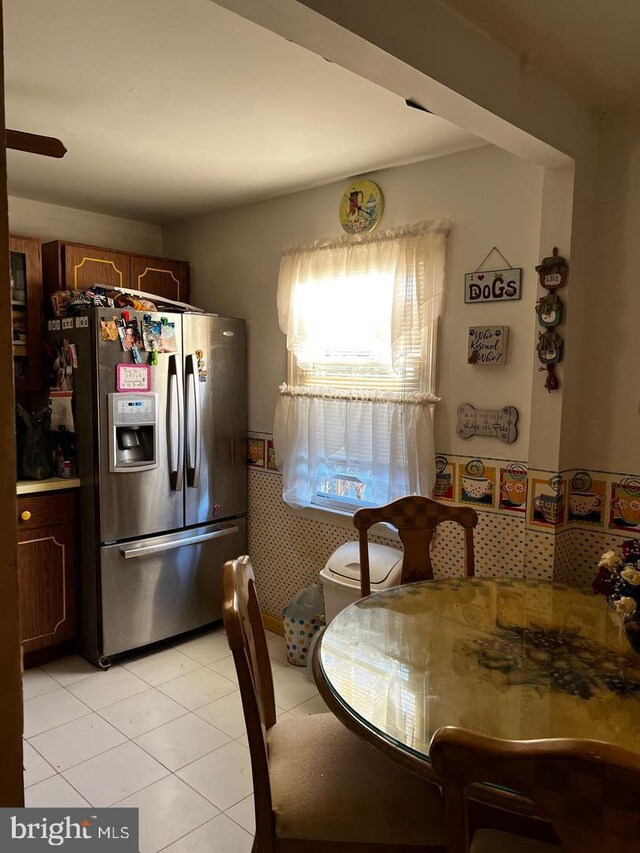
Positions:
(354, 424)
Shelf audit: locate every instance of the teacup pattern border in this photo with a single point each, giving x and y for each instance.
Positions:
(507, 478)
(489, 472)
(446, 482)
(604, 483)
(541, 490)
(619, 491)
(595, 518)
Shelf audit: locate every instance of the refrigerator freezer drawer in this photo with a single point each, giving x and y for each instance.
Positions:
(153, 589)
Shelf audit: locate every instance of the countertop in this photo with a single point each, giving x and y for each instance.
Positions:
(53, 484)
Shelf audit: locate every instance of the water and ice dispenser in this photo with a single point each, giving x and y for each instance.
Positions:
(133, 432)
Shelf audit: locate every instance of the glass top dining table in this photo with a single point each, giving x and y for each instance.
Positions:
(517, 659)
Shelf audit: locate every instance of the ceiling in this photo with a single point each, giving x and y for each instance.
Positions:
(170, 108)
(591, 47)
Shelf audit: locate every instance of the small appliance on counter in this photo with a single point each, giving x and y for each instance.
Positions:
(340, 578)
(160, 435)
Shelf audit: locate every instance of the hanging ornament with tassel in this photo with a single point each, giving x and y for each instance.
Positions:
(549, 347)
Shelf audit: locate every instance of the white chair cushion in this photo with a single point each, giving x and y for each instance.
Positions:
(494, 841)
(329, 784)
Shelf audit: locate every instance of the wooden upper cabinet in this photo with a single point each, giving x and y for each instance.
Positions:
(169, 279)
(71, 266)
(86, 266)
(26, 313)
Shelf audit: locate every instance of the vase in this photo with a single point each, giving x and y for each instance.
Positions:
(631, 627)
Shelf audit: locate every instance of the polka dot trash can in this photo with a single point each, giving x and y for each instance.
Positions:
(303, 617)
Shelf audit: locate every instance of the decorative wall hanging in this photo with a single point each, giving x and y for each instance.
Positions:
(549, 309)
(492, 285)
(361, 207)
(550, 346)
(487, 344)
(500, 423)
(553, 271)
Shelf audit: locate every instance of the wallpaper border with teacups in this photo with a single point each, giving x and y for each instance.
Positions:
(552, 501)
(547, 500)
(531, 523)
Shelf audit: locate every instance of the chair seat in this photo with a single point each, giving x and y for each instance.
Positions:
(494, 841)
(328, 784)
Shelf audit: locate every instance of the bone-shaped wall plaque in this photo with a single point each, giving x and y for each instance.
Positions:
(500, 423)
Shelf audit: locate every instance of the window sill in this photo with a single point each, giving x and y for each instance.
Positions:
(340, 518)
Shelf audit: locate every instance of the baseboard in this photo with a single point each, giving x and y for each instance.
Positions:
(273, 623)
(40, 656)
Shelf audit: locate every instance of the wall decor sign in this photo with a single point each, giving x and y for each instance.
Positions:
(553, 271)
(487, 344)
(499, 423)
(549, 309)
(492, 285)
(550, 346)
(133, 377)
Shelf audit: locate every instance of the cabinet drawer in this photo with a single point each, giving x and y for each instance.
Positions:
(46, 510)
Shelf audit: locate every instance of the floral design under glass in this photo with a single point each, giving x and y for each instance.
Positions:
(557, 660)
(618, 577)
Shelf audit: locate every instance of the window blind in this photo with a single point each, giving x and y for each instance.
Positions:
(355, 422)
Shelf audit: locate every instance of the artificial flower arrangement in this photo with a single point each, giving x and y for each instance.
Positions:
(618, 579)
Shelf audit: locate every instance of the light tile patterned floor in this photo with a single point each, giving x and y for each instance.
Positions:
(163, 732)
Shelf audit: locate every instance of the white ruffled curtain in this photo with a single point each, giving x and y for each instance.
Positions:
(384, 438)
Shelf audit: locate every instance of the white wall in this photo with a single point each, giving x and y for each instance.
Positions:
(29, 218)
(609, 418)
(493, 199)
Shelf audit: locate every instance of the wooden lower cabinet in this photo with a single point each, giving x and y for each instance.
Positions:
(47, 571)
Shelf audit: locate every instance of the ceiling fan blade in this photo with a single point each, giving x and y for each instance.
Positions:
(33, 143)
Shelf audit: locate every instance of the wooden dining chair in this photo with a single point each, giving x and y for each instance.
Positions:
(317, 786)
(588, 790)
(415, 518)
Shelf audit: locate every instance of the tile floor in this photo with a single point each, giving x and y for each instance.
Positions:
(163, 732)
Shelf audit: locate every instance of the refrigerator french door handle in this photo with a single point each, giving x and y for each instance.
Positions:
(175, 417)
(193, 454)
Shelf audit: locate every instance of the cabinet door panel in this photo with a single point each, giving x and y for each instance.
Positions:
(46, 565)
(169, 279)
(26, 311)
(85, 266)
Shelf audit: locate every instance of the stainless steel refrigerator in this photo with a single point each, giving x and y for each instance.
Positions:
(163, 472)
